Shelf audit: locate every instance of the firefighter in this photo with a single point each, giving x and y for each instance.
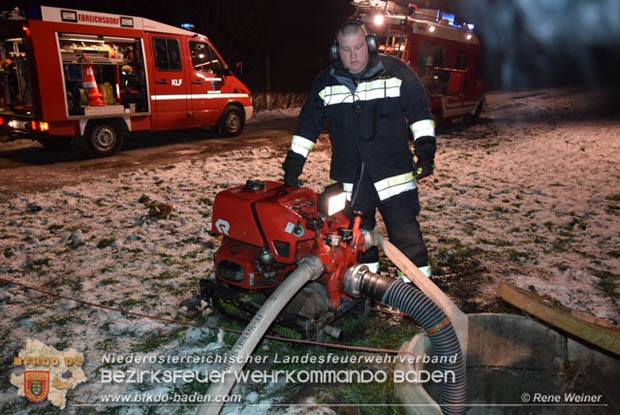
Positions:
(371, 101)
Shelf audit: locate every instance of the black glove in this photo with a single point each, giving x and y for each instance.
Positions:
(425, 148)
(422, 170)
(293, 166)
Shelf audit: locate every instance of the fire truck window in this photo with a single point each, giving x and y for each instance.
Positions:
(15, 87)
(204, 58)
(429, 55)
(215, 65)
(478, 70)
(167, 54)
(461, 59)
(395, 45)
(440, 54)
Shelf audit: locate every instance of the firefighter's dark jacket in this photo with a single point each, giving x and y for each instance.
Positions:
(368, 118)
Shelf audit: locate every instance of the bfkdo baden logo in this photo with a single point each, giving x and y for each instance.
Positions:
(42, 372)
(36, 385)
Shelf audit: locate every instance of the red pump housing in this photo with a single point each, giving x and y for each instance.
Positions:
(268, 227)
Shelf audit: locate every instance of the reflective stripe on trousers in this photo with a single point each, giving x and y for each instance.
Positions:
(301, 146)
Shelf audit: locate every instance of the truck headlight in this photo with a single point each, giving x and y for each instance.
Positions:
(332, 200)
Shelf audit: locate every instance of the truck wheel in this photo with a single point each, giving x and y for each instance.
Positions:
(473, 119)
(102, 139)
(232, 122)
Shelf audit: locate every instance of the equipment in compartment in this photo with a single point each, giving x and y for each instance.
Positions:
(118, 68)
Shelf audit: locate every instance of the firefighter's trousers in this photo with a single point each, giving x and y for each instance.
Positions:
(399, 213)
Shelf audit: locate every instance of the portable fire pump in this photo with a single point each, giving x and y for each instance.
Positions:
(294, 244)
(267, 228)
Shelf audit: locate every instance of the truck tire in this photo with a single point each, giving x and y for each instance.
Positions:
(473, 119)
(232, 122)
(103, 138)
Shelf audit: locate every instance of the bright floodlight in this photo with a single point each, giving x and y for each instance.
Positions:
(336, 203)
(379, 19)
(332, 200)
(431, 29)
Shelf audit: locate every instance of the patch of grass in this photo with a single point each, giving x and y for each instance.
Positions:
(154, 342)
(130, 302)
(608, 282)
(61, 345)
(54, 227)
(375, 393)
(27, 314)
(470, 228)
(612, 210)
(495, 242)
(42, 261)
(455, 257)
(74, 284)
(519, 256)
(615, 197)
(540, 239)
(562, 266)
(561, 245)
(549, 226)
(614, 253)
(107, 281)
(170, 261)
(165, 275)
(191, 255)
(576, 222)
(59, 321)
(104, 243)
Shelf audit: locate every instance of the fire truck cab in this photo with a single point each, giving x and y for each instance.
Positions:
(446, 55)
(95, 77)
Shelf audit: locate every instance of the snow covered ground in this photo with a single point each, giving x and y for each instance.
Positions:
(267, 115)
(529, 195)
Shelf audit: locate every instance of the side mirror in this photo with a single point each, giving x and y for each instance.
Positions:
(239, 68)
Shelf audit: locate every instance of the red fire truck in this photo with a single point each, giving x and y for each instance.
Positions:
(446, 55)
(95, 77)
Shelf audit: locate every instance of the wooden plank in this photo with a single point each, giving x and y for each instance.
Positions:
(458, 319)
(604, 336)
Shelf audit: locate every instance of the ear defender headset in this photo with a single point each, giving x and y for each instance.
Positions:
(371, 39)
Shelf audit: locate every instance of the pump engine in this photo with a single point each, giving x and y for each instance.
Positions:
(267, 228)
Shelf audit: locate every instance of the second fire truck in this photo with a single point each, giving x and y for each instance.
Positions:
(445, 54)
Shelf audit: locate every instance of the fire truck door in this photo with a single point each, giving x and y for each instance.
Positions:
(170, 107)
(207, 79)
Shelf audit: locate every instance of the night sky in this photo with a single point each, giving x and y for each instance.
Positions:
(528, 43)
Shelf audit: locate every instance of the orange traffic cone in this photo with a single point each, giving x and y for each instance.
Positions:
(89, 83)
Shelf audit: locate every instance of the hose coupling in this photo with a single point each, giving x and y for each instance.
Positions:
(360, 281)
(371, 238)
(313, 265)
